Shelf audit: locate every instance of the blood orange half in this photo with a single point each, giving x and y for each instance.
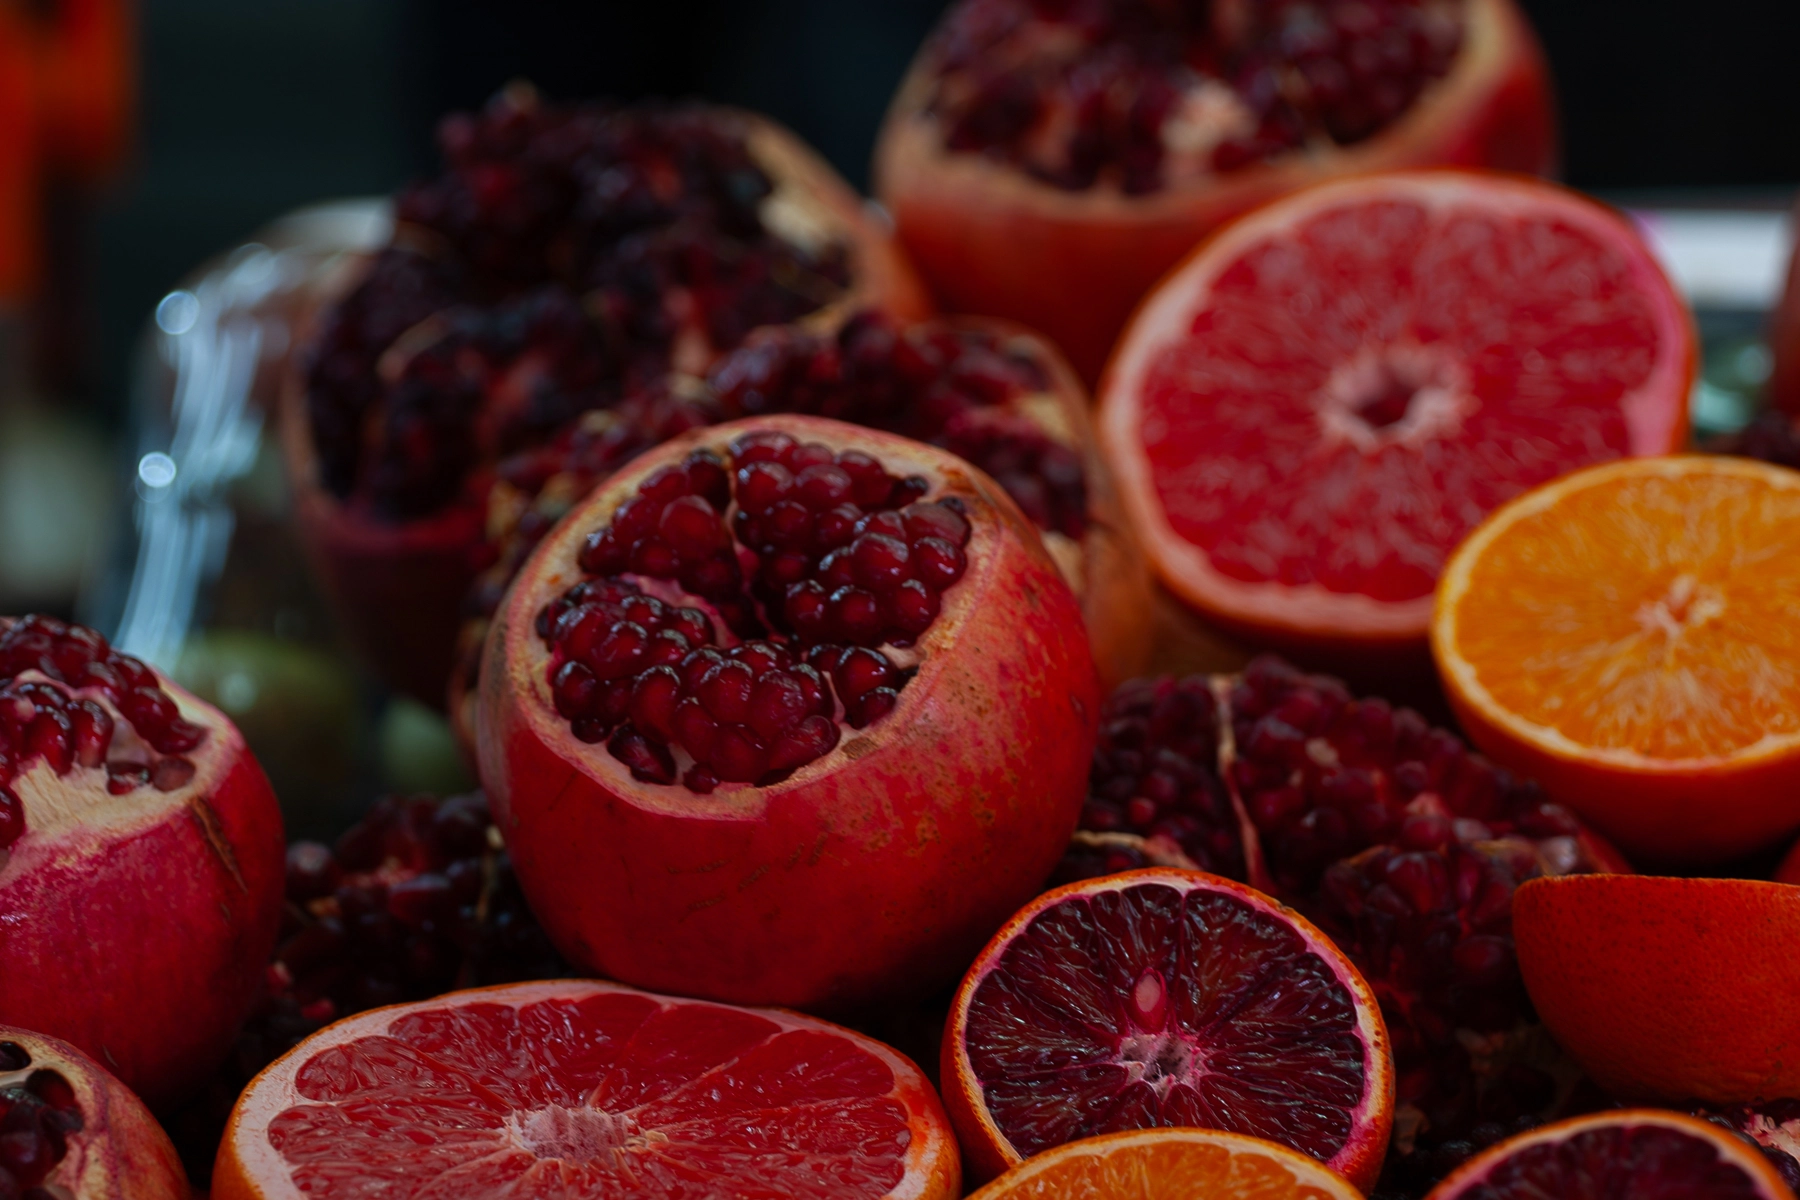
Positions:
(1313, 409)
(1164, 997)
(1626, 1154)
(575, 1089)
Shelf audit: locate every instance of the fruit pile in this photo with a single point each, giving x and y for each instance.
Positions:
(1234, 787)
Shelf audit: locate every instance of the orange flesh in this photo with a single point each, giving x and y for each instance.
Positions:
(1177, 1167)
(1652, 614)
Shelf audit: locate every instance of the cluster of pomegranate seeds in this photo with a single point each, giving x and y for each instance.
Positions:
(44, 665)
(1146, 94)
(825, 560)
(569, 257)
(1392, 835)
(37, 1115)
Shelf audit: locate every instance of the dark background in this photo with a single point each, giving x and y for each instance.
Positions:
(251, 107)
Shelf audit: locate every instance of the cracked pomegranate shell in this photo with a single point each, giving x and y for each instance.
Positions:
(70, 1131)
(140, 860)
(1073, 261)
(732, 761)
(567, 257)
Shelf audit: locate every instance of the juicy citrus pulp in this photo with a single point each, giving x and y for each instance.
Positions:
(586, 1089)
(1170, 1164)
(1169, 998)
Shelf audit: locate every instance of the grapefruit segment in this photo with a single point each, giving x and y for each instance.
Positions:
(1314, 408)
(586, 1089)
(1171, 1164)
(1626, 636)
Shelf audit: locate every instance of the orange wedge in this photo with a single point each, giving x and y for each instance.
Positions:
(1629, 636)
(1170, 1164)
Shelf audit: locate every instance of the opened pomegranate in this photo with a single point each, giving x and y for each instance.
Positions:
(70, 1131)
(140, 859)
(1389, 834)
(564, 259)
(789, 711)
(987, 391)
(1048, 160)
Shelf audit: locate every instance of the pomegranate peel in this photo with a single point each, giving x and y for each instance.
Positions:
(872, 867)
(74, 1130)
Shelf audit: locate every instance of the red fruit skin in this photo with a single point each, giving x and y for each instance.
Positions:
(1073, 265)
(145, 946)
(120, 1152)
(872, 874)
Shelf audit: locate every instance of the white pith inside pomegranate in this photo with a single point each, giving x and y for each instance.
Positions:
(1389, 834)
(141, 839)
(835, 661)
(70, 1131)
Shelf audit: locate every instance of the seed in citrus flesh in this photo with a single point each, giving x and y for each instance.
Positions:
(1158, 998)
(586, 1089)
(1626, 636)
(1624, 1153)
(1170, 1164)
(1319, 404)
(1668, 989)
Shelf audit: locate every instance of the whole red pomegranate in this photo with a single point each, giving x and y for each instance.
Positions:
(1390, 835)
(992, 393)
(564, 259)
(140, 859)
(1048, 160)
(70, 1131)
(789, 711)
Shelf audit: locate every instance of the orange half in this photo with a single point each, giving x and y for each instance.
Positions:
(1627, 635)
(1171, 1164)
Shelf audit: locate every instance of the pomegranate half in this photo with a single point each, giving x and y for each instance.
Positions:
(141, 860)
(71, 1130)
(565, 258)
(1061, 212)
(809, 755)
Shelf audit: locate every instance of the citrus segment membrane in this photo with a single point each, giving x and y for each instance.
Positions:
(1147, 1006)
(615, 1094)
(1170, 1164)
(1648, 612)
(1356, 387)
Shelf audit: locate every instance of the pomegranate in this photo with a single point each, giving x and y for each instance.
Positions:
(789, 711)
(990, 392)
(140, 859)
(1390, 835)
(70, 1131)
(1048, 160)
(565, 258)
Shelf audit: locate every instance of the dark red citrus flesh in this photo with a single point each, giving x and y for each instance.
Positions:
(44, 718)
(1147, 1006)
(772, 627)
(614, 1094)
(1146, 94)
(1651, 1162)
(1773, 1125)
(38, 1115)
(1362, 388)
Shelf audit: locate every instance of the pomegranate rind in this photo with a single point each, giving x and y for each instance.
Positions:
(1668, 989)
(991, 239)
(1688, 811)
(120, 1152)
(249, 1168)
(1115, 1166)
(988, 1153)
(397, 587)
(152, 915)
(1311, 620)
(1731, 1148)
(870, 873)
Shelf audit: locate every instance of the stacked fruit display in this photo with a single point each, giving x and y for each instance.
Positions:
(834, 676)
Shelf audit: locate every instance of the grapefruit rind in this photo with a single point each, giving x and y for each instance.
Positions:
(250, 1168)
(1729, 1146)
(987, 1150)
(1312, 611)
(1181, 1159)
